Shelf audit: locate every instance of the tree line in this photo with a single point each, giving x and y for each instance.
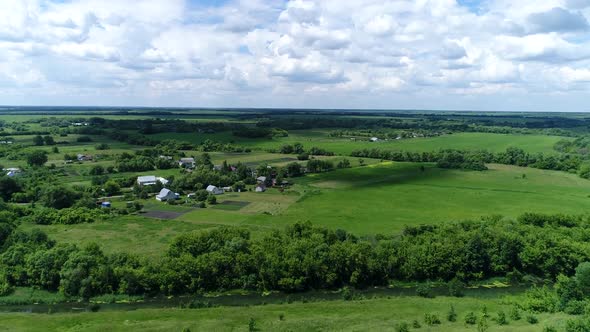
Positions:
(300, 257)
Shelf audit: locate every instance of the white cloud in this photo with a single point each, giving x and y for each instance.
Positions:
(292, 53)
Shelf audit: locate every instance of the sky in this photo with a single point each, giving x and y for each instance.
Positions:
(490, 55)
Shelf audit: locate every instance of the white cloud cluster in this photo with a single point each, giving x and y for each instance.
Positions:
(441, 54)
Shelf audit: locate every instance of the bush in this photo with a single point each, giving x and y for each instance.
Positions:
(550, 329)
(431, 319)
(456, 288)
(402, 327)
(416, 324)
(452, 315)
(575, 307)
(532, 319)
(501, 318)
(577, 325)
(470, 318)
(515, 313)
(424, 290)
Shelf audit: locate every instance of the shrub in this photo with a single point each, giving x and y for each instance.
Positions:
(431, 319)
(456, 288)
(416, 324)
(470, 318)
(252, 325)
(501, 318)
(532, 319)
(402, 327)
(424, 290)
(515, 313)
(550, 329)
(575, 307)
(452, 315)
(577, 325)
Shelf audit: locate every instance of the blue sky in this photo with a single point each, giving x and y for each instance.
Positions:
(435, 54)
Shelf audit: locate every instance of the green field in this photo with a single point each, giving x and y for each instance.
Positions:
(380, 198)
(381, 314)
(320, 138)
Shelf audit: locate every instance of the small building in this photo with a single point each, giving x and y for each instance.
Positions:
(187, 162)
(165, 157)
(163, 181)
(214, 190)
(12, 171)
(227, 189)
(260, 188)
(84, 157)
(374, 139)
(105, 205)
(261, 179)
(148, 180)
(167, 195)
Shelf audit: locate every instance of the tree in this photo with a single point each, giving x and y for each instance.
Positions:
(58, 197)
(49, 140)
(38, 140)
(8, 186)
(96, 170)
(112, 188)
(37, 158)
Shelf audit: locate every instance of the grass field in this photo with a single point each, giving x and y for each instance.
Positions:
(385, 197)
(381, 198)
(320, 138)
(380, 314)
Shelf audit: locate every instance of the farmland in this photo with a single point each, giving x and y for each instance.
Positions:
(289, 193)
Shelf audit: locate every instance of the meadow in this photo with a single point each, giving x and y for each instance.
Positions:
(344, 146)
(372, 314)
(377, 198)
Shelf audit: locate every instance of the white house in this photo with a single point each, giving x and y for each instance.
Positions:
(12, 171)
(214, 190)
(260, 188)
(163, 181)
(150, 180)
(187, 162)
(374, 139)
(167, 195)
(261, 179)
(84, 157)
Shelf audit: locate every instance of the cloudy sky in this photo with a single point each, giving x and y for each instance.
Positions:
(418, 54)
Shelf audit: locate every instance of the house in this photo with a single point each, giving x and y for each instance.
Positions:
(167, 195)
(260, 188)
(163, 181)
(105, 205)
(374, 139)
(83, 157)
(214, 190)
(228, 189)
(5, 142)
(261, 179)
(150, 180)
(187, 162)
(12, 171)
(165, 157)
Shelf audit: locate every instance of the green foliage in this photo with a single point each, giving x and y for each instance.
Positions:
(456, 288)
(578, 325)
(501, 318)
(431, 319)
(470, 318)
(540, 299)
(37, 158)
(452, 314)
(424, 290)
(482, 324)
(549, 328)
(402, 327)
(531, 319)
(58, 197)
(416, 324)
(515, 313)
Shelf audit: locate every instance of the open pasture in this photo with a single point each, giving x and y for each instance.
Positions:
(379, 314)
(342, 145)
(386, 197)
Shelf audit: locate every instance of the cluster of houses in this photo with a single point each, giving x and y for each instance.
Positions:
(168, 195)
(5, 142)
